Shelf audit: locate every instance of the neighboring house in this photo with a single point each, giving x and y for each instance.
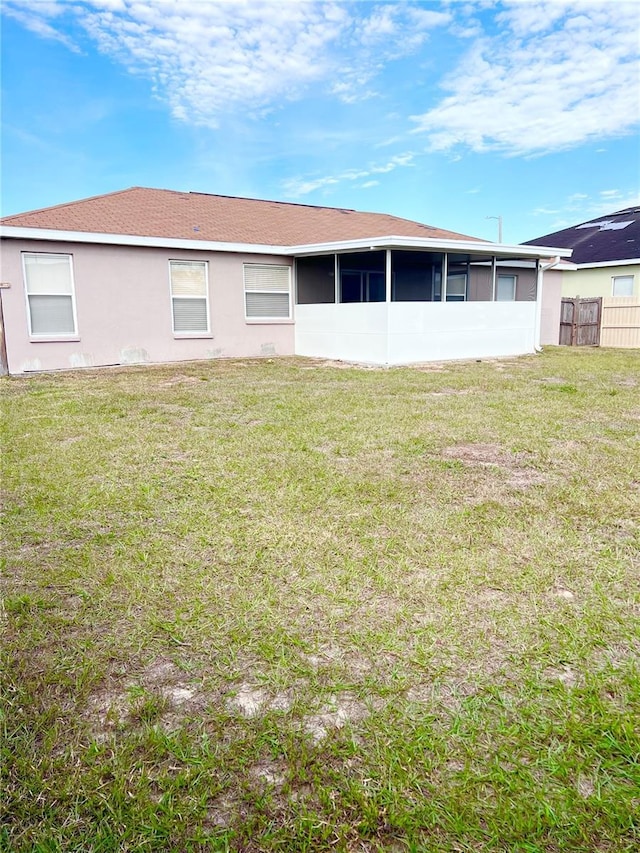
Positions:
(146, 275)
(605, 263)
(606, 255)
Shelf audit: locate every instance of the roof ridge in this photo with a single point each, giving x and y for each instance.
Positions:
(314, 207)
(275, 201)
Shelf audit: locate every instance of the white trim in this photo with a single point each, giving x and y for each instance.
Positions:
(614, 278)
(50, 336)
(506, 264)
(14, 232)
(388, 242)
(628, 263)
(444, 275)
(195, 333)
(461, 246)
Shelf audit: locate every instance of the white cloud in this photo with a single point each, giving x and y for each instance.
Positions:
(296, 187)
(557, 74)
(34, 18)
(211, 58)
(581, 207)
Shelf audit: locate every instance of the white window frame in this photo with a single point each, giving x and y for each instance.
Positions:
(195, 333)
(616, 278)
(249, 319)
(514, 278)
(51, 336)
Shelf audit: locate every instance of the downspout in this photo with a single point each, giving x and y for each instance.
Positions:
(387, 299)
(542, 268)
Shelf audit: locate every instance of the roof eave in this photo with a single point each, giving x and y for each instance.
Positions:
(53, 235)
(387, 242)
(468, 246)
(622, 262)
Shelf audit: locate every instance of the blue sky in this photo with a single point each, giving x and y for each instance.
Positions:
(444, 112)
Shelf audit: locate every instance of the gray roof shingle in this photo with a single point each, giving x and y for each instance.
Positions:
(614, 237)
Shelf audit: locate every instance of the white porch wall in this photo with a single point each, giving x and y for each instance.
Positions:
(347, 331)
(406, 332)
(440, 331)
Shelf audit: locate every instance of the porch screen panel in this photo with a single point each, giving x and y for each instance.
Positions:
(415, 276)
(267, 291)
(362, 276)
(316, 280)
(458, 267)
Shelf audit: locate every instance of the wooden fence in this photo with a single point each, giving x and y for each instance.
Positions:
(580, 322)
(620, 322)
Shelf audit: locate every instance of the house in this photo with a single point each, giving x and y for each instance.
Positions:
(606, 255)
(605, 263)
(148, 275)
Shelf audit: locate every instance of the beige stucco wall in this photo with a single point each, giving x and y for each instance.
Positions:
(481, 283)
(123, 307)
(597, 282)
(550, 309)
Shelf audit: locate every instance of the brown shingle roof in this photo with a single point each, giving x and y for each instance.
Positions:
(198, 216)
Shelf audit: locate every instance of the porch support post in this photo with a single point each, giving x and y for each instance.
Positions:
(387, 276)
(336, 282)
(445, 274)
(493, 278)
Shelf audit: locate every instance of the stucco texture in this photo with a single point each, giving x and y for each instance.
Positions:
(123, 306)
(597, 282)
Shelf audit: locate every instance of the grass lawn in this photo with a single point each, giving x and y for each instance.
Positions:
(284, 605)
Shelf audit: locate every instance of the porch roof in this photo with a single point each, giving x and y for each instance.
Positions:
(474, 247)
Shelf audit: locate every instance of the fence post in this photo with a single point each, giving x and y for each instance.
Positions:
(574, 321)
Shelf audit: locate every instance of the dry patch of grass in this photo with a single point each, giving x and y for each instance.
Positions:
(288, 604)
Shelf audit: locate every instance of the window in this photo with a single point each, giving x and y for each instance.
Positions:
(267, 292)
(506, 288)
(50, 298)
(365, 286)
(189, 297)
(622, 285)
(456, 288)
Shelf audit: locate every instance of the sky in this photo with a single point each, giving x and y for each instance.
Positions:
(443, 112)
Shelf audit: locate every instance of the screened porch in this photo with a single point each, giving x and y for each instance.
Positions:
(396, 306)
